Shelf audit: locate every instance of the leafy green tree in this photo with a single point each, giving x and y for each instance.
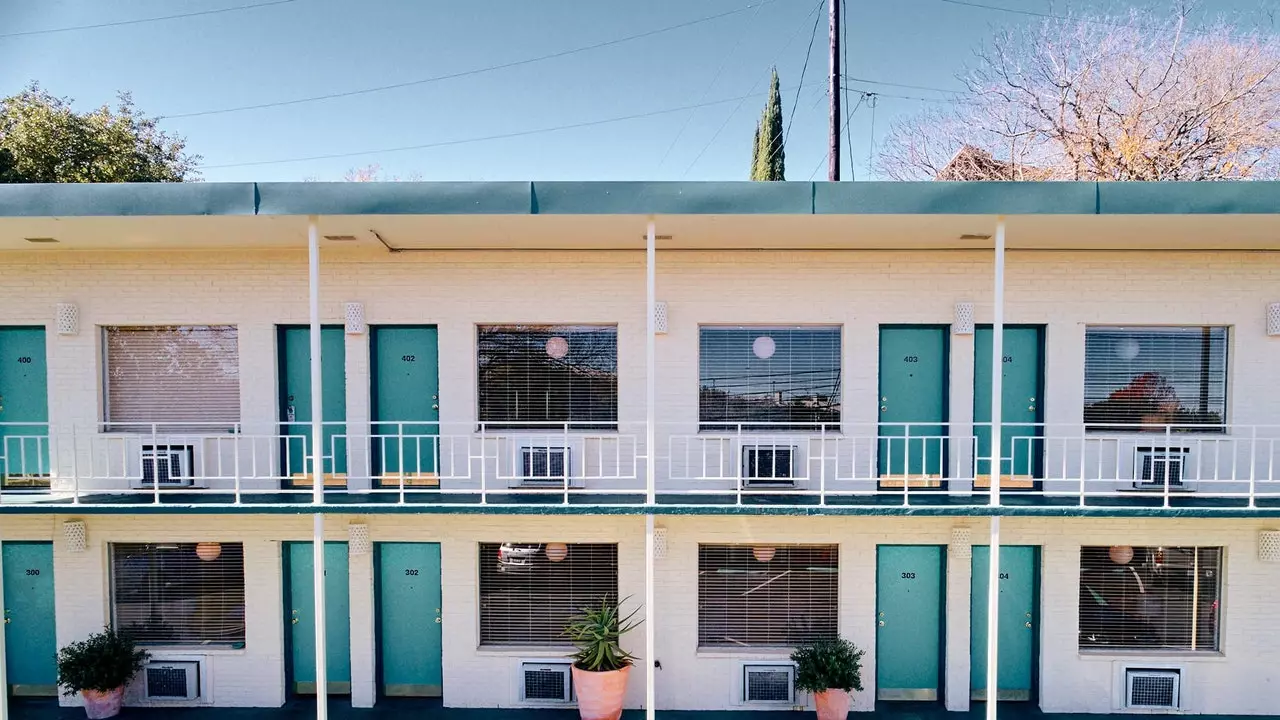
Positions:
(44, 140)
(768, 158)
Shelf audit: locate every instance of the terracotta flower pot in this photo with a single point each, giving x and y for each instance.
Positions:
(99, 705)
(832, 704)
(600, 693)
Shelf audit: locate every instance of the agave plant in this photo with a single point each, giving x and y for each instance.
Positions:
(596, 632)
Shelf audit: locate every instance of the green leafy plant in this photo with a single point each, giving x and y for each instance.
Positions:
(101, 662)
(596, 632)
(828, 664)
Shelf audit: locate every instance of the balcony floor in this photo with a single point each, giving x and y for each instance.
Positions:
(431, 710)
(920, 502)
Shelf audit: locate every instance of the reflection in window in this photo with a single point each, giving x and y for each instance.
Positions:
(774, 378)
(529, 591)
(1150, 598)
(180, 593)
(543, 375)
(1155, 376)
(767, 595)
(186, 375)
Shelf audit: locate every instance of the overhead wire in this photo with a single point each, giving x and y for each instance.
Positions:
(813, 34)
(754, 85)
(139, 21)
(486, 138)
(818, 167)
(471, 72)
(714, 78)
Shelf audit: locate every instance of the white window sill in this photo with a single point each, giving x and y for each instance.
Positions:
(1110, 655)
(770, 652)
(564, 651)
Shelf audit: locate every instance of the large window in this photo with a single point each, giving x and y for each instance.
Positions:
(180, 593)
(1155, 376)
(185, 377)
(548, 375)
(769, 377)
(1150, 598)
(767, 595)
(529, 591)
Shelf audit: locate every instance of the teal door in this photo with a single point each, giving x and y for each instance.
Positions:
(409, 641)
(406, 404)
(294, 354)
(30, 646)
(1016, 629)
(909, 581)
(913, 405)
(1021, 402)
(300, 617)
(24, 407)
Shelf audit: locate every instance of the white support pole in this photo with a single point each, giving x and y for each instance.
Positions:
(317, 472)
(650, 470)
(4, 665)
(997, 398)
(650, 353)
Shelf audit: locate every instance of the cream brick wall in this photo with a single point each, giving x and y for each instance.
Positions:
(458, 290)
(1242, 679)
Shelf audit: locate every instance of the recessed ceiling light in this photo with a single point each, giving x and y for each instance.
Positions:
(975, 236)
(340, 238)
(42, 240)
(656, 237)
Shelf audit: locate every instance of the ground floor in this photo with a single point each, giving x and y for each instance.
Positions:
(1097, 615)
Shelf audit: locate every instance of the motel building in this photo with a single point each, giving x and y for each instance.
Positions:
(760, 413)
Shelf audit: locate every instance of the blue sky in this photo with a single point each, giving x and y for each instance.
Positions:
(302, 48)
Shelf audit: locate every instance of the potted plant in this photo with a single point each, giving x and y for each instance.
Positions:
(830, 669)
(98, 668)
(600, 666)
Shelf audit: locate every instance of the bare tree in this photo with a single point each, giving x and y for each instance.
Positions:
(1091, 98)
(373, 173)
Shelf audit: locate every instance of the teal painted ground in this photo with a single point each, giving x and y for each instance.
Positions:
(431, 710)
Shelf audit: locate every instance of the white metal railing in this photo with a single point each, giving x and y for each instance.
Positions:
(604, 463)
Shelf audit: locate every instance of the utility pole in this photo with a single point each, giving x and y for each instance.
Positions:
(833, 146)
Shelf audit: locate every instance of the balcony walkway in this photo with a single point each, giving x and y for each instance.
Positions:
(431, 710)
(919, 502)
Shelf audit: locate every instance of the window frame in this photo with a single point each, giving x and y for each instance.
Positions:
(108, 424)
(1197, 607)
(206, 644)
(783, 427)
(570, 424)
(555, 641)
(786, 613)
(1220, 427)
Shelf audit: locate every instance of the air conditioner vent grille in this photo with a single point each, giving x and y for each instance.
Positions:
(544, 464)
(545, 682)
(768, 684)
(1152, 688)
(178, 680)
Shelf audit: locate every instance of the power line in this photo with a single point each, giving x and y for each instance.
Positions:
(486, 138)
(139, 21)
(720, 70)
(807, 54)
(754, 85)
(901, 85)
(474, 71)
(824, 158)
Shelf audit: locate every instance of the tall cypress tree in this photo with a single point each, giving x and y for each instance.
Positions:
(768, 157)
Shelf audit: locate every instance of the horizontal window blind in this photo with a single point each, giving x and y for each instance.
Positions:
(169, 595)
(529, 591)
(548, 374)
(777, 596)
(1150, 598)
(186, 376)
(771, 376)
(1155, 376)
